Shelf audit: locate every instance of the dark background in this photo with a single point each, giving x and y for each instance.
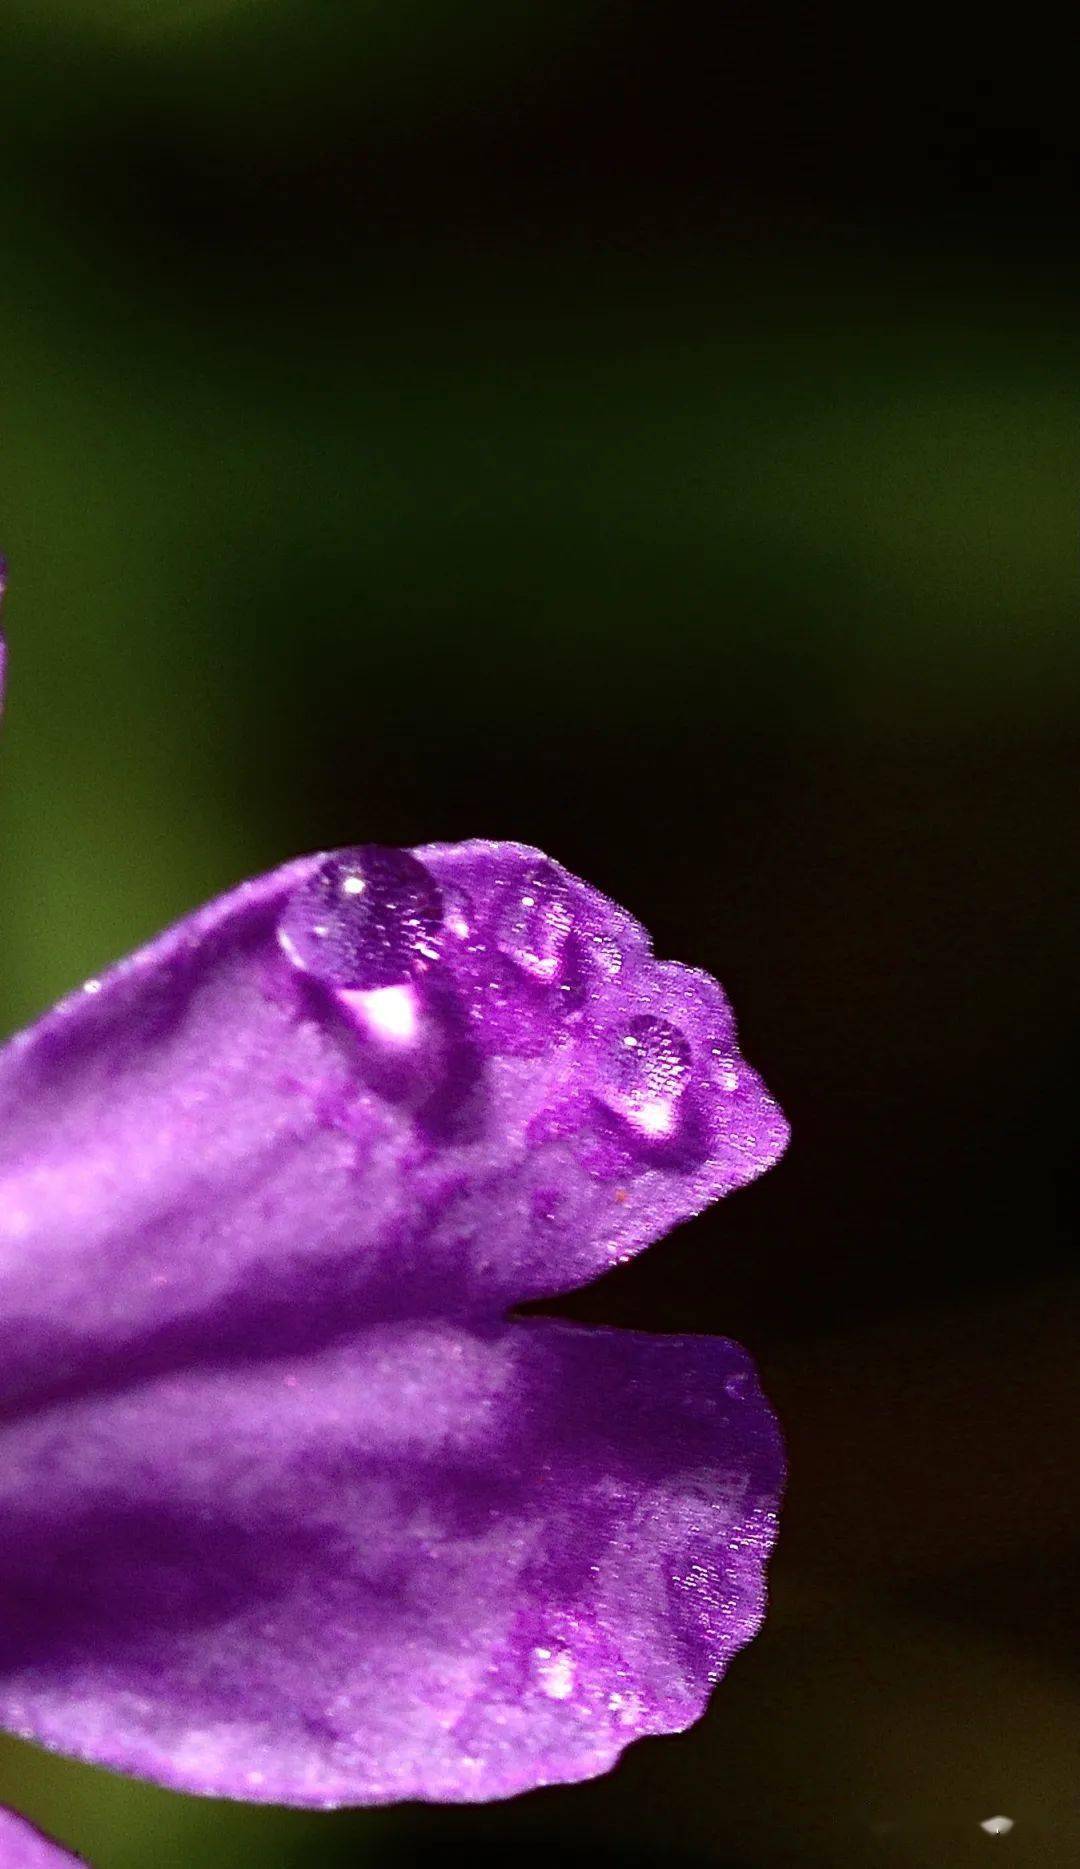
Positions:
(650, 432)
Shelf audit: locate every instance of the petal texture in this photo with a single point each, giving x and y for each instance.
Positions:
(220, 1149)
(23, 1847)
(437, 1561)
(287, 1509)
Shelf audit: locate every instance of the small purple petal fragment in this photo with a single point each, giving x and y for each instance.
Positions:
(437, 1561)
(23, 1847)
(368, 918)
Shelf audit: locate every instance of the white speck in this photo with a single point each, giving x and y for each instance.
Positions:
(996, 1826)
(556, 1673)
(353, 886)
(91, 986)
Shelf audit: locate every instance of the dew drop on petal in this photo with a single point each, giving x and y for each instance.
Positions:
(536, 923)
(367, 918)
(645, 1068)
(458, 913)
(555, 1668)
(608, 956)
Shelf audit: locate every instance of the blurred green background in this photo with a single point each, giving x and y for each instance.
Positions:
(650, 432)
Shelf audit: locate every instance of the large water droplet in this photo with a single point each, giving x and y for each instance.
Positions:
(367, 918)
(536, 924)
(644, 1071)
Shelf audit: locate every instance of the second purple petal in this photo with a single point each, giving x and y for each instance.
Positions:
(437, 1562)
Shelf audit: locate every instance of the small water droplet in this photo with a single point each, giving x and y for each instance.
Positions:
(369, 917)
(536, 924)
(724, 1071)
(458, 913)
(608, 956)
(644, 1072)
(556, 1671)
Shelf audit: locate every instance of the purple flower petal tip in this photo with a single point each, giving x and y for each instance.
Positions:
(288, 1509)
(23, 1847)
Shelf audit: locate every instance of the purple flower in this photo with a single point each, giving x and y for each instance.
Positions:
(290, 1508)
(23, 1847)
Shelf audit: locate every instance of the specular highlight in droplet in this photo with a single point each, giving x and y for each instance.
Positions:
(645, 1070)
(367, 918)
(536, 923)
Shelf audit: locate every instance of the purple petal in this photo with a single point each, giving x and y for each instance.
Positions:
(225, 1148)
(437, 1561)
(23, 1847)
(286, 1510)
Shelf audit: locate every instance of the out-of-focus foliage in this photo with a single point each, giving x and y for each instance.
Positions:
(231, 528)
(282, 73)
